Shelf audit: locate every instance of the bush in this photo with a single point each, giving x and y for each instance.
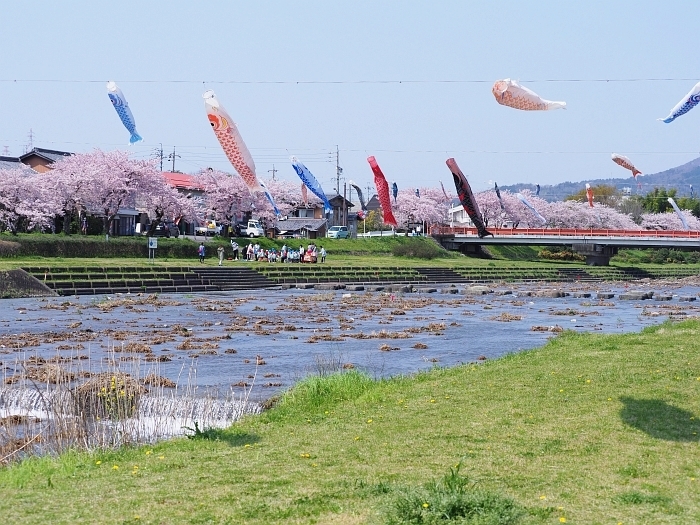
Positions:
(560, 254)
(9, 249)
(658, 256)
(418, 248)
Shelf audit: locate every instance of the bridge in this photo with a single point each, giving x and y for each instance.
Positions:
(598, 246)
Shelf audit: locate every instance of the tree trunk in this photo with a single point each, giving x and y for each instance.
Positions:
(66, 222)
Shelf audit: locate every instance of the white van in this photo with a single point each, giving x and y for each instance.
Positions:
(251, 228)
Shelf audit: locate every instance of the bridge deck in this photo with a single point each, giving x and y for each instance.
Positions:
(563, 236)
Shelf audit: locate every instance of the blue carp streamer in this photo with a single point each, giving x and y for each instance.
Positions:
(679, 213)
(311, 182)
(531, 207)
(689, 102)
(121, 106)
(270, 199)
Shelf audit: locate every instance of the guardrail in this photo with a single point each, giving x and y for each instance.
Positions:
(377, 233)
(567, 232)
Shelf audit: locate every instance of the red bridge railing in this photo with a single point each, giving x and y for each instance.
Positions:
(567, 232)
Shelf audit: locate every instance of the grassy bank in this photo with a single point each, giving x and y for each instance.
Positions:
(589, 429)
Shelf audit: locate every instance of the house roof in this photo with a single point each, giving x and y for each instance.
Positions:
(298, 223)
(182, 181)
(337, 200)
(51, 155)
(13, 163)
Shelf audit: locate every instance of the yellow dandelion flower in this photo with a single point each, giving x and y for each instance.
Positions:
(247, 445)
(369, 421)
(432, 401)
(161, 457)
(447, 397)
(115, 467)
(562, 520)
(588, 380)
(357, 438)
(98, 462)
(426, 505)
(610, 399)
(561, 390)
(149, 452)
(543, 496)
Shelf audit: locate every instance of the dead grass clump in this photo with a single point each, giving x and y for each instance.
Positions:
(152, 358)
(191, 344)
(50, 373)
(136, 348)
(18, 419)
(387, 348)
(158, 381)
(78, 346)
(420, 346)
(109, 396)
(555, 328)
(505, 317)
(230, 351)
(289, 328)
(348, 366)
(324, 337)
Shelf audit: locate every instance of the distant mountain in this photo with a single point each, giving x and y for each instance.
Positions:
(680, 178)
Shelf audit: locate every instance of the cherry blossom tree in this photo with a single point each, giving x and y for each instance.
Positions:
(669, 221)
(23, 203)
(104, 182)
(428, 205)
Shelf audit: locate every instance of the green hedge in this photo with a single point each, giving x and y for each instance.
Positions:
(59, 245)
(95, 246)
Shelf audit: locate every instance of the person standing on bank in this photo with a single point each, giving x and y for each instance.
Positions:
(323, 254)
(234, 247)
(220, 253)
(200, 252)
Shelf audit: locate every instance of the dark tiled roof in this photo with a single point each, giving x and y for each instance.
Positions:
(48, 154)
(297, 223)
(13, 163)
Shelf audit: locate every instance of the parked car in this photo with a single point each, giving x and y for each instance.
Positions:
(209, 228)
(166, 229)
(338, 232)
(250, 228)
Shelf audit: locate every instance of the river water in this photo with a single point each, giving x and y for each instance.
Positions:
(261, 342)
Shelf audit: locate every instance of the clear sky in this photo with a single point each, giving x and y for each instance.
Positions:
(302, 77)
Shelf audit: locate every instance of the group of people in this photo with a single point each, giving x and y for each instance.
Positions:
(253, 252)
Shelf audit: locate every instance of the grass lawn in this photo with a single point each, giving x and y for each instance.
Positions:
(588, 429)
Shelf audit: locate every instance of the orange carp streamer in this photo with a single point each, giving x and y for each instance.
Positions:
(625, 163)
(231, 141)
(509, 93)
(589, 195)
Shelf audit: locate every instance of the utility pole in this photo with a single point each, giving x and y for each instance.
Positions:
(159, 154)
(273, 171)
(172, 157)
(30, 136)
(338, 170)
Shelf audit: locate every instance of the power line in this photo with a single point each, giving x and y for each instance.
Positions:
(358, 81)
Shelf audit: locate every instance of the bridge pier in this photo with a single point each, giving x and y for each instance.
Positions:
(596, 254)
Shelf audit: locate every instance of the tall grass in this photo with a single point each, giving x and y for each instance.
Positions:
(61, 404)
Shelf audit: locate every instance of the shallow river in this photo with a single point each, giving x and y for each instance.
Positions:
(269, 339)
